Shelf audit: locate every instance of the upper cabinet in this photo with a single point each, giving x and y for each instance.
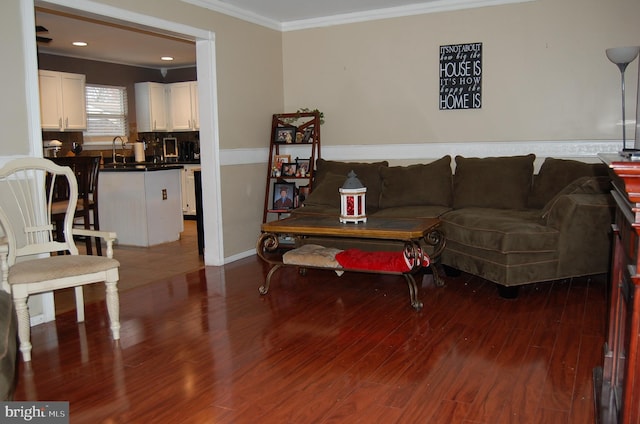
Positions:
(62, 101)
(151, 107)
(183, 106)
(167, 107)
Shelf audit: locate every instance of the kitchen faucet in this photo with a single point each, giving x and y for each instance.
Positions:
(113, 148)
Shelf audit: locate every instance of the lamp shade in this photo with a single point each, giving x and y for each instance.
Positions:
(622, 55)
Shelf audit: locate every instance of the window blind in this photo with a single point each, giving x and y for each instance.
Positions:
(106, 110)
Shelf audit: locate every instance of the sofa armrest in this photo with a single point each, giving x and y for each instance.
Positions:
(584, 222)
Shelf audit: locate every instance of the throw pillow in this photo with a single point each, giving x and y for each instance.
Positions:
(555, 174)
(326, 193)
(493, 182)
(416, 185)
(367, 173)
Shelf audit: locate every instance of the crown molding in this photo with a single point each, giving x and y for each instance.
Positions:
(236, 12)
(434, 6)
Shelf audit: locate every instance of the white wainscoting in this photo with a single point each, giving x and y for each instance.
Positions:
(585, 150)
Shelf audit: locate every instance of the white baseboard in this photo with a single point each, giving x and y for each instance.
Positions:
(239, 256)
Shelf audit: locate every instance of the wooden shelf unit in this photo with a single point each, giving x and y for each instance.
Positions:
(305, 123)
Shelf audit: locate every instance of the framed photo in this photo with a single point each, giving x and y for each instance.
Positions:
(308, 133)
(303, 167)
(303, 193)
(278, 160)
(283, 195)
(285, 135)
(289, 169)
(170, 147)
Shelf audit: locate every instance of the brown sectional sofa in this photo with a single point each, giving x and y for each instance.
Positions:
(502, 222)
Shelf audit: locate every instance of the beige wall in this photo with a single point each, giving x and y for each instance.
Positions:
(545, 74)
(244, 184)
(13, 109)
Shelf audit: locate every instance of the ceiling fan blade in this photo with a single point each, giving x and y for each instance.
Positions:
(39, 38)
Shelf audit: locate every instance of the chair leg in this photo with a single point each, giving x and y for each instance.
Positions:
(96, 226)
(24, 327)
(80, 303)
(113, 307)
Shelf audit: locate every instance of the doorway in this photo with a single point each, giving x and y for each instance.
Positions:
(207, 91)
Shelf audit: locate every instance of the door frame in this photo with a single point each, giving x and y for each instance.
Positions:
(207, 98)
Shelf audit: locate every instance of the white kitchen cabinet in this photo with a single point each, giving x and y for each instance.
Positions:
(189, 190)
(183, 106)
(62, 101)
(151, 107)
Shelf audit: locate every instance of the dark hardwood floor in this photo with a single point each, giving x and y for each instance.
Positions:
(205, 347)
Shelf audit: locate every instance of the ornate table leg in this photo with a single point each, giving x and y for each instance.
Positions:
(436, 239)
(416, 256)
(267, 242)
(413, 292)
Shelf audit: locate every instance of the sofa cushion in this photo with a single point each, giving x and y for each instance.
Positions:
(555, 174)
(326, 192)
(312, 255)
(493, 182)
(367, 173)
(414, 185)
(503, 231)
(423, 211)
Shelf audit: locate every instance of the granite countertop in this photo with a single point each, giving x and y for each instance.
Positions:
(139, 167)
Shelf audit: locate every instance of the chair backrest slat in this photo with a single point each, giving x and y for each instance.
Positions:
(27, 194)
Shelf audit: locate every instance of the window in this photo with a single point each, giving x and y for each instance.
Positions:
(106, 112)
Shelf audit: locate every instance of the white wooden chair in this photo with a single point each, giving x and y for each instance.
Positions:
(28, 258)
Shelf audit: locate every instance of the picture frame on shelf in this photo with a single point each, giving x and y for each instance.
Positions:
(280, 159)
(289, 169)
(303, 193)
(307, 136)
(285, 135)
(303, 167)
(284, 194)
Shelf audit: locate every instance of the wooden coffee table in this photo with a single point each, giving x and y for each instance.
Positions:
(411, 231)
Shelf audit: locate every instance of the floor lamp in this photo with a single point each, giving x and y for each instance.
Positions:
(623, 56)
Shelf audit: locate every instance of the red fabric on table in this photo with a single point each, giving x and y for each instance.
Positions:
(377, 261)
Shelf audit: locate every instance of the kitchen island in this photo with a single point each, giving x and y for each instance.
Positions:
(141, 202)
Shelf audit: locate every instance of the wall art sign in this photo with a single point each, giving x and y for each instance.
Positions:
(461, 76)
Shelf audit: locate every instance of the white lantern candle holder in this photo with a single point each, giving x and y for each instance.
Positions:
(352, 200)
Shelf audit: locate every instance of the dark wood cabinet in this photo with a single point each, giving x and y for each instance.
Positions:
(617, 381)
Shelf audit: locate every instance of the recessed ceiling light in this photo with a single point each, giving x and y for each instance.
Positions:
(79, 43)
(166, 58)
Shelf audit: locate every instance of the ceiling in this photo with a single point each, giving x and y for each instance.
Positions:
(111, 42)
(284, 11)
(119, 42)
